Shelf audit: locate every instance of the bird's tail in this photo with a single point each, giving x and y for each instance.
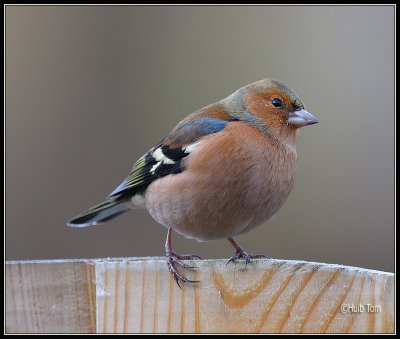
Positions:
(97, 214)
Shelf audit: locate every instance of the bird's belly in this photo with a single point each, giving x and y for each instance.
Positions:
(224, 191)
(209, 208)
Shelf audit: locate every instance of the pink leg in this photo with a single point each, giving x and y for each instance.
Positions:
(174, 258)
(240, 253)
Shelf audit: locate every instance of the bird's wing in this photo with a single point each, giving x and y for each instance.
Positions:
(168, 156)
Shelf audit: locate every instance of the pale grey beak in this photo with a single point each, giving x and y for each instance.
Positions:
(301, 118)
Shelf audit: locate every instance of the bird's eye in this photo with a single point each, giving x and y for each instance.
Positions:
(277, 102)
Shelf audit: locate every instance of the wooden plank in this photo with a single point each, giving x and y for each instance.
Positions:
(138, 295)
(50, 297)
(269, 296)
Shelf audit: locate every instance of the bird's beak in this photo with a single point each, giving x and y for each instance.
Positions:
(301, 118)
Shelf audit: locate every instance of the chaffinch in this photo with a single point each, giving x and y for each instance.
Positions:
(222, 171)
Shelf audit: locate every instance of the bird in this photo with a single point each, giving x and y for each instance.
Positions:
(222, 171)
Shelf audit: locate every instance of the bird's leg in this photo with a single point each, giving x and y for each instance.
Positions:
(174, 258)
(240, 253)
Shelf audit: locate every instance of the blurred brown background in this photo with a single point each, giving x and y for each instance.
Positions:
(89, 89)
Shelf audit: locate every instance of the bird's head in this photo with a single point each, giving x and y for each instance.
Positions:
(276, 104)
(271, 106)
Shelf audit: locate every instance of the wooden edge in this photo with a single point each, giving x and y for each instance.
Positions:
(138, 295)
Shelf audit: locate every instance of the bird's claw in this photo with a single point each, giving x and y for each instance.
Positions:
(172, 259)
(241, 254)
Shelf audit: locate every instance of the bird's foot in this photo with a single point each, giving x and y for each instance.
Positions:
(240, 253)
(174, 259)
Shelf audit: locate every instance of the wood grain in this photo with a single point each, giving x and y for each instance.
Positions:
(50, 297)
(138, 295)
(269, 296)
